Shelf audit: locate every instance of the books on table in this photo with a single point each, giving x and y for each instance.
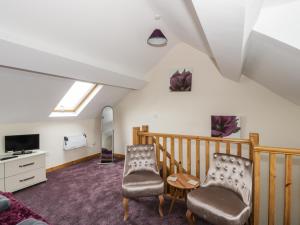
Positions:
(192, 182)
(172, 178)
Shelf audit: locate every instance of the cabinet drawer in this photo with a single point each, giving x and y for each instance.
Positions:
(1, 170)
(2, 185)
(24, 180)
(23, 165)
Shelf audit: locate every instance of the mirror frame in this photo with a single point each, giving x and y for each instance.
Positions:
(113, 130)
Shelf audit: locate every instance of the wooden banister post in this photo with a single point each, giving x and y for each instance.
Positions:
(254, 141)
(256, 189)
(144, 139)
(288, 190)
(255, 156)
(145, 128)
(135, 135)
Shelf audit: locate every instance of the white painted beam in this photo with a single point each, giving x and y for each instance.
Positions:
(227, 25)
(18, 56)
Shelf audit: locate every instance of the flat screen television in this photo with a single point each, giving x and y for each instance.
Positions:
(22, 143)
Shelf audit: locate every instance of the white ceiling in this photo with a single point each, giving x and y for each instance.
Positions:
(106, 34)
(271, 3)
(281, 22)
(105, 42)
(275, 65)
(273, 57)
(227, 25)
(102, 41)
(28, 97)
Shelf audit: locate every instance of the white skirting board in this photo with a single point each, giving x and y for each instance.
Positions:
(75, 141)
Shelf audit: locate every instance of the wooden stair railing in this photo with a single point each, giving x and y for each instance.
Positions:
(169, 156)
(188, 148)
(166, 152)
(288, 153)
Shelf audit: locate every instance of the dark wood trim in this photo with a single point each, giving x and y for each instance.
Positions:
(119, 155)
(87, 158)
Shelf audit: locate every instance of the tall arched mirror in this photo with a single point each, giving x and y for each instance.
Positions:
(107, 135)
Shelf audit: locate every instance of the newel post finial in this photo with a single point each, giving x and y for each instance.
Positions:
(254, 141)
(135, 135)
(145, 128)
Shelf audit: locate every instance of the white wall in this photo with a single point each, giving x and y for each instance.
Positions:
(273, 117)
(51, 137)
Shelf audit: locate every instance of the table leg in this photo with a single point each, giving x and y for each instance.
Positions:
(185, 195)
(173, 200)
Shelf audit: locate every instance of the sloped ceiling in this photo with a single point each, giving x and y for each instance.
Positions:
(273, 57)
(227, 25)
(274, 64)
(105, 42)
(28, 97)
(109, 35)
(271, 3)
(96, 41)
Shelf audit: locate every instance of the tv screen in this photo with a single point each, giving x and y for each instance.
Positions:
(22, 142)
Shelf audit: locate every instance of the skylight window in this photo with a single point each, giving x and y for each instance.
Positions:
(76, 99)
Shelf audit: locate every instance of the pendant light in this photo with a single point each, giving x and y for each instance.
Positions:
(157, 39)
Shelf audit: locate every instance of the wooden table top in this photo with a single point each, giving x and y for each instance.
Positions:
(182, 181)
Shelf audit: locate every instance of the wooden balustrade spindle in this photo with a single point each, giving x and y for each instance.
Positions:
(217, 147)
(172, 156)
(150, 140)
(272, 182)
(239, 149)
(165, 162)
(256, 197)
(198, 158)
(287, 190)
(188, 147)
(228, 148)
(143, 139)
(207, 158)
(180, 153)
(157, 150)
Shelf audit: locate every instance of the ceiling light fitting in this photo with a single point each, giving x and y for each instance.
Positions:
(157, 39)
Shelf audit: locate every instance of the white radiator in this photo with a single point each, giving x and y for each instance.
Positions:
(76, 141)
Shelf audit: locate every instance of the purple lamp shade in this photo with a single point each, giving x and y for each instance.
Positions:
(157, 38)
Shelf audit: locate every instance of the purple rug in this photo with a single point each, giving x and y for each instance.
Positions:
(90, 194)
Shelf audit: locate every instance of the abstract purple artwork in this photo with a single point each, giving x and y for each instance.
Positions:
(225, 126)
(181, 81)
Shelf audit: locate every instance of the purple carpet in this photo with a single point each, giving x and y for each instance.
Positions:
(90, 194)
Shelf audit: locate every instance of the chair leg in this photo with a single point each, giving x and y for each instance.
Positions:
(125, 205)
(248, 222)
(190, 218)
(176, 193)
(161, 203)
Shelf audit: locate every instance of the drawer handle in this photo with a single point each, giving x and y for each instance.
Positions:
(26, 179)
(28, 164)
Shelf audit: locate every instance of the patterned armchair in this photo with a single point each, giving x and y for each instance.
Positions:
(225, 198)
(141, 177)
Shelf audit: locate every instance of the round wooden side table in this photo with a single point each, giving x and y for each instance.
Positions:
(181, 184)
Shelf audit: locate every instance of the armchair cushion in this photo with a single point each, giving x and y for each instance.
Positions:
(231, 172)
(218, 205)
(142, 184)
(140, 157)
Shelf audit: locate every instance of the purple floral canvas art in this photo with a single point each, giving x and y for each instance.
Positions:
(181, 80)
(225, 126)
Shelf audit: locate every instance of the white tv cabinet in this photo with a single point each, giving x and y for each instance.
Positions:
(24, 171)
